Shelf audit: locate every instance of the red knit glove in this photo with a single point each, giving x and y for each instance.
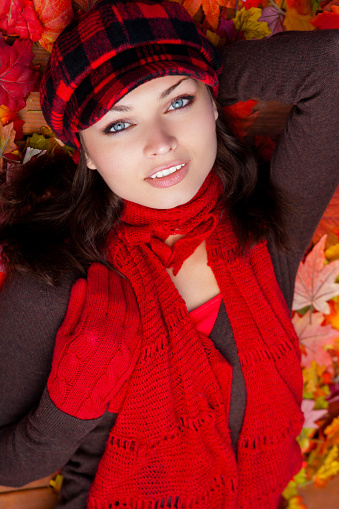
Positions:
(97, 345)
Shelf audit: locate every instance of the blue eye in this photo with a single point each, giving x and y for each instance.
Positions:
(181, 102)
(117, 127)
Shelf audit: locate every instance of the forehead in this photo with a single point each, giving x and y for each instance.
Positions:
(159, 88)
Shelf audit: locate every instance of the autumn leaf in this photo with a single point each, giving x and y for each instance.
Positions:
(240, 116)
(332, 429)
(17, 78)
(327, 4)
(302, 7)
(251, 3)
(54, 15)
(327, 20)
(18, 17)
(211, 10)
(85, 5)
(2, 278)
(274, 19)
(311, 415)
(329, 469)
(296, 21)
(7, 116)
(192, 6)
(7, 135)
(265, 147)
(330, 219)
(314, 336)
(227, 30)
(247, 21)
(315, 282)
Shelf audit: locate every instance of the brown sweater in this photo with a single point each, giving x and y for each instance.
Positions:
(294, 67)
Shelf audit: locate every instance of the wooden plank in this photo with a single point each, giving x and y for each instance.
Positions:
(322, 498)
(37, 498)
(36, 484)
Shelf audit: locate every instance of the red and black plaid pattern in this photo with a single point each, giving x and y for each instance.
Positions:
(112, 49)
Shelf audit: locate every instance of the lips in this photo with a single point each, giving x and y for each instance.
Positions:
(168, 176)
(167, 171)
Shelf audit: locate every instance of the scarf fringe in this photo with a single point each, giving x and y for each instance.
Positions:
(185, 422)
(161, 344)
(261, 442)
(264, 354)
(173, 502)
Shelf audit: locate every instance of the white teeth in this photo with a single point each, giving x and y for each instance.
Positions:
(168, 171)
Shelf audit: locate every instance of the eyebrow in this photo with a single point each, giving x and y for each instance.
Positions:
(163, 95)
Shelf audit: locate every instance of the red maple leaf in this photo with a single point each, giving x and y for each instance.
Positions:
(240, 116)
(17, 78)
(251, 3)
(327, 20)
(18, 17)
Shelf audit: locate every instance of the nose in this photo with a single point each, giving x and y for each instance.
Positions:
(159, 140)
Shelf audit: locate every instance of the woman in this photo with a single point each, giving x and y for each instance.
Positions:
(171, 214)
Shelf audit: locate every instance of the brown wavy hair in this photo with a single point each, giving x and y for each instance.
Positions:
(55, 216)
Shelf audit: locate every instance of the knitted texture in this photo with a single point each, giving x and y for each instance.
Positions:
(170, 446)
(113, 48)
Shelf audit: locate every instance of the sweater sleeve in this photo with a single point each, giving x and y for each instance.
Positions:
(30, 315)
(36, 439)
(299, 68)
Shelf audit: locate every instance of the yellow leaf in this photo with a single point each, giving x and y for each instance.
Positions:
(247, 21)
(332, 253)
(56, 483)
(329, 469)
(212, 37)
(295, 21)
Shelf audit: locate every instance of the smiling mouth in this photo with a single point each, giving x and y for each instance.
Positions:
(168, 171)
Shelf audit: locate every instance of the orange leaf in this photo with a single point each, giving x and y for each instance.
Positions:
(211, 11)
(192, 6)
(54, 15)
(7, 116)
(330, 219)
(326, 20)
(296, 21)
(303, 7)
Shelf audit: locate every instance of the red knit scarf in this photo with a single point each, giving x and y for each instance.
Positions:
(171, 446)
(171, 442)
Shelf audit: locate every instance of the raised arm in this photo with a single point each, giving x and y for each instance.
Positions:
(299, 68)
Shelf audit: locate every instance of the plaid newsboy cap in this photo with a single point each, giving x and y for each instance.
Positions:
(112, 49)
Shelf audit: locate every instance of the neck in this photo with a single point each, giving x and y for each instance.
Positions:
(172, 239)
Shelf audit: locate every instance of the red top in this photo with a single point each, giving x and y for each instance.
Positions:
(204, 317)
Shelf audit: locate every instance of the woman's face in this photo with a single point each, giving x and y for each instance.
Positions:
(157, 144)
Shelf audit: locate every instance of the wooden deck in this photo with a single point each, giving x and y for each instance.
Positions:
(37, 495)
